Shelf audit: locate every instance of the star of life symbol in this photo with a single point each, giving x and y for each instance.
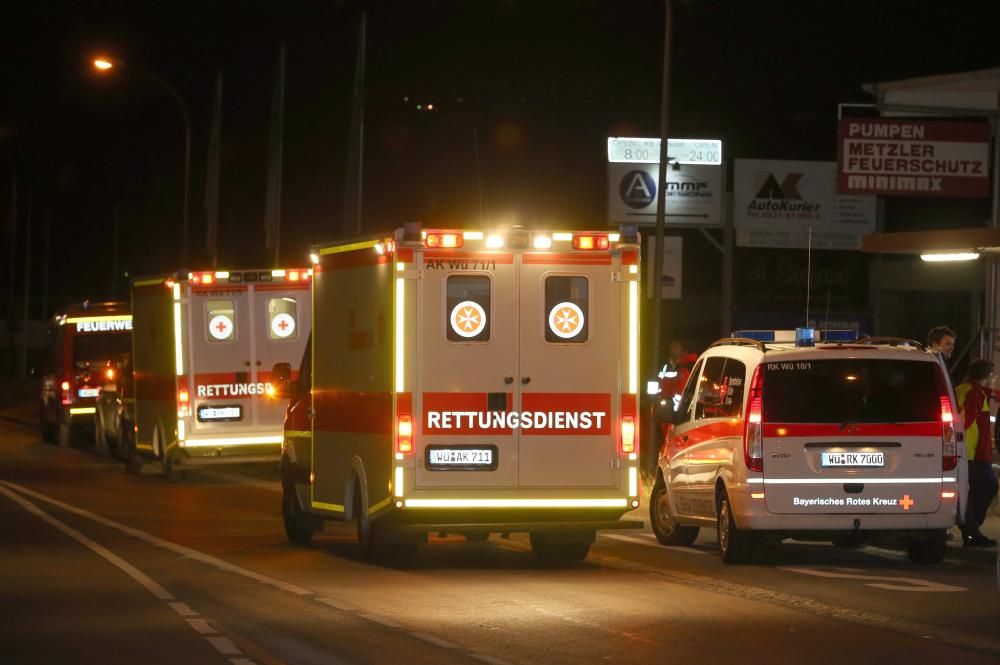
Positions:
(220, 327)
(566, 320)
(468, 318)
(283, 325)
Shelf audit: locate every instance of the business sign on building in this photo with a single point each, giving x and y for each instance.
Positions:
(779, 203)
(693, 194)
(913, 157)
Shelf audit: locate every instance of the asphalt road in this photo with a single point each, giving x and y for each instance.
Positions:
(97, 566)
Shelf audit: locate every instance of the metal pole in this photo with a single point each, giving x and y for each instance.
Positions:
(11, 271)
(661, 199)
(22, 364)
(990, 336)
(45, 269)
(728, 258)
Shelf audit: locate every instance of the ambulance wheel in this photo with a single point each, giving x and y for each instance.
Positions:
(661, 518)
(101, 446)
(735, 544)
(293, 517)
(166, 461)
(928, 549)
(366, 535)
(64, 432)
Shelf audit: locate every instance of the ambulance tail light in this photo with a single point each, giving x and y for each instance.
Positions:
(404, 435)
(590, 242)
(949, 453)
(753, 427)
(628, 435)
(183, 403)
(444, 240)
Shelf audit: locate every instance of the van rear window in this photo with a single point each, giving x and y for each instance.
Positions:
(851, 391)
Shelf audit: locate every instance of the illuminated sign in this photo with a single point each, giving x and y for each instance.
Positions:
(104, 325)
(491, 420)
(231, 389)
(468, 318)
(220, 413)
(680, 151)
(566, 320)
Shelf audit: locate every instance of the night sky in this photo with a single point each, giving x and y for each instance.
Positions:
(540, 84)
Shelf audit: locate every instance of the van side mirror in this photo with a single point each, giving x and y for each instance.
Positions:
(281, 380)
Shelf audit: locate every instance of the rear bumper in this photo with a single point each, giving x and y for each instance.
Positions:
(542, 526)
(191, 462)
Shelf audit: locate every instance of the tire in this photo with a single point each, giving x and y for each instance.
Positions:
(126, 447)
(929, 549)
(166, 461)
(548, 550)
(735, 545)
(665, 527)
(365, 533)
(100, 438)
(64, 432)
(291, 514)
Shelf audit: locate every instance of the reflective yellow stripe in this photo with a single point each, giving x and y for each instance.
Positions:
(148, 282)
(235, 441)
(96, 319)
(297, 434)
(516, 503)
(82, 410)
(379, 506)
(337, 508)
(348, 248)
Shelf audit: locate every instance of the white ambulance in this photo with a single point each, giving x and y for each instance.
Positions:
(468, 382)
(203, 348)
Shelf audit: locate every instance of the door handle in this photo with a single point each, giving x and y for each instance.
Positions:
(247, 363)
(258, 363)
(526, 380)
(508, 380)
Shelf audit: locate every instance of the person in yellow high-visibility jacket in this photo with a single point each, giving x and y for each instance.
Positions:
(973, 400)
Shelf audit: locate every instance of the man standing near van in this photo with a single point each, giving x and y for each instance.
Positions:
(974, 400)
(941, 340)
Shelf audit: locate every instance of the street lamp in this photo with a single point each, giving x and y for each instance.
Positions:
(102, 65)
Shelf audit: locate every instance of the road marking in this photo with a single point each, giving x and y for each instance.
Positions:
(641, 541)
(166, 544)
(434, 639)
(336, 604)
(225, 646)
(183, 609)
(148, 583)
(876, 581)
(385, 621)
(202, 626)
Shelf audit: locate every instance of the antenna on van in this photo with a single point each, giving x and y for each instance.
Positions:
(809, 254)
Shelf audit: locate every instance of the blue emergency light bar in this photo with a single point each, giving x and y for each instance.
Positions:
(799, 336)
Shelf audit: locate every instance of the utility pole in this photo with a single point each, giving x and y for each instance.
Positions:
(45, 270)
(114, 251)
(661, 200)
(22, 365)
(12, 261)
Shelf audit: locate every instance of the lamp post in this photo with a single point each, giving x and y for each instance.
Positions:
(104, 65)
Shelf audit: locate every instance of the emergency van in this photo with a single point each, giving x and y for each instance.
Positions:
(88, 345)
(469, 383)
(204, 346)
(813, 435)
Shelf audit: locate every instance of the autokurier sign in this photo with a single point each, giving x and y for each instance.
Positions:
(913, 157)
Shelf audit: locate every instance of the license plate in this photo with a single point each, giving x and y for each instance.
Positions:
(88, 392)
(220, 413)
(451, 457)
(852, 459)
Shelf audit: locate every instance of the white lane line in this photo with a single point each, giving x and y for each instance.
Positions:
(202, 626)
(336, 604)
(876, 581)
(434, 639)
(225, 646)
(492, 660)
(385, 621)
(640, 541)
(112, 558)
(166, 544)
(183, 609)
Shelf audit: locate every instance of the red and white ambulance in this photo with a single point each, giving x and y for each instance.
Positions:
(88, 345)
(204, 344)
(468, 382)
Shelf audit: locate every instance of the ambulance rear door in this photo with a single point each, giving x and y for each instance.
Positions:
(569, 341)
(221, 377)
(466, 369)
(282, 322)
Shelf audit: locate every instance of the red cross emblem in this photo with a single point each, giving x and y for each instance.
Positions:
(906, 502)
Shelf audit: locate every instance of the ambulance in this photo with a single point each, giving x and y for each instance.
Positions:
(465, 382)
(88, 345)
(204, 344)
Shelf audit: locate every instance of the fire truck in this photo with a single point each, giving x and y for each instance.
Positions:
(88, 345)
(468, 383)
(201, 345)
